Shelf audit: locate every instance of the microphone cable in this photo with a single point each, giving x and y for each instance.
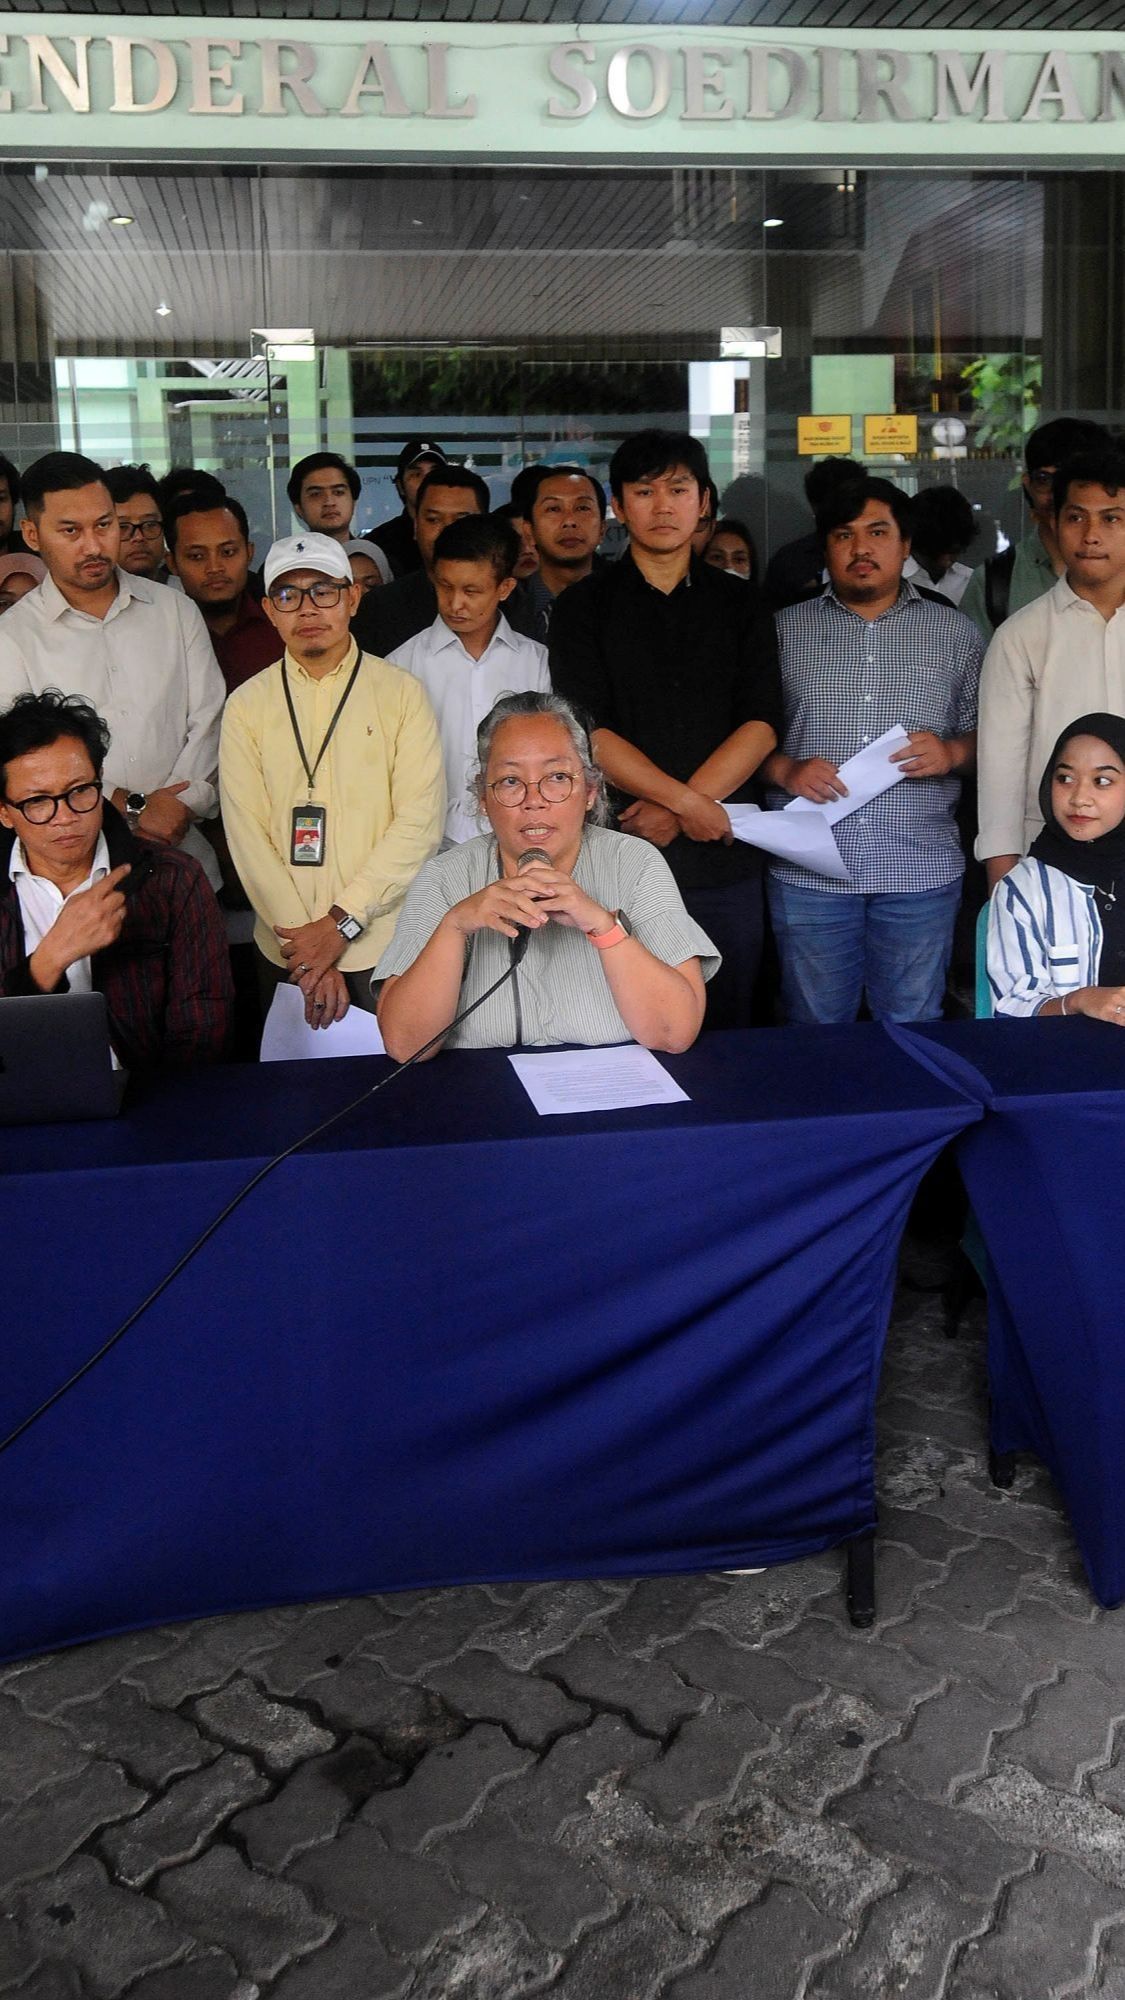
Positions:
(517, 947)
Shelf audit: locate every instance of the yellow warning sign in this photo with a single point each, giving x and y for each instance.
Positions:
(890, 434)
(818, 435)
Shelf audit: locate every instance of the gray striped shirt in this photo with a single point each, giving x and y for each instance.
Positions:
(560, 993)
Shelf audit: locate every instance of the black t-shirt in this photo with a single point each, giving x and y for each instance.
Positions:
(675, 674)
(396, 539)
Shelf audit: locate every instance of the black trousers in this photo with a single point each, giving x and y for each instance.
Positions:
(733, 919)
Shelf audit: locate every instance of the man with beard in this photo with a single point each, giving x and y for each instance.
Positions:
(869, 653)
(210, 550)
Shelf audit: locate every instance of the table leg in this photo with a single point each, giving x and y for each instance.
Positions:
(861, 1581)
(1001, 1467)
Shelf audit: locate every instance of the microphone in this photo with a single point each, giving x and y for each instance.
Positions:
(517, 946)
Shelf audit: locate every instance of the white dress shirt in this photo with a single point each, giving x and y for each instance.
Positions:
(462, 691)
(41, 901)
(1048, 664)
(149, 670)
(953, 584)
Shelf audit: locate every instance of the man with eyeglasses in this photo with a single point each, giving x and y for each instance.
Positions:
(85, 905)
(1030, 568)
(136, 497)
(137, 651)
(330, 770)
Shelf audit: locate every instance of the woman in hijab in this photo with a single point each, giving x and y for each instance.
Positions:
(19, 574)
(1056, 925)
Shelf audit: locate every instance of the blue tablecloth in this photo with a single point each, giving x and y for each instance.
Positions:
(452, 1340)
(1045, 1172)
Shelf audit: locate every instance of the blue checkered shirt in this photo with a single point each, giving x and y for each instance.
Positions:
(847, 679)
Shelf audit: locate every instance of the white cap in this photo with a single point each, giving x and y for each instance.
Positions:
(307, 551)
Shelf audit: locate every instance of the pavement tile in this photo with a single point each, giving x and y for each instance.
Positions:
(763, 1951)
(979, 1582)
(905, 1947)
(691, 1874)
(17, 1953)
(919, 1471)
(450, 1784)
(930, 1835)
(313, 1803)
(1096, 1644)
(760, 1679)
(966, 1429)
(206, 1655)
(494, 1961)
(211, 1976)
(404, 1721)
(179, 1824)
(547, 1623)
(32, 1753)
(991, 1659)
(833, 1868)
(659, 1608)
(1022, 1809)
(950, 1736)
(900, 1574)
(561, 1784)
(628, 1960)
(831, 1652)
(826, 1751)
(274, 1731)
(78, 1673)
(554, 1894)
(649, 1692)
(326, 1637)
(927, 1534)
(703, 1763)
(352, 1966)
(442, 1625)
(411, 1900)
(1046, 1937)
(757, 1608)
(39, 1836)
(107, 1935)
(532, 1708)
(153, 1744)
(970, 1500)
(52, 1982)
(263, 1924)
(1070, 1725)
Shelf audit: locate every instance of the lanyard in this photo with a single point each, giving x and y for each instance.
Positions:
(311, 773)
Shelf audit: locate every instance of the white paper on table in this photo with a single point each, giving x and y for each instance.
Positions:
(613, 1079)
(806, 838)
(287, 1036)
(866, 775)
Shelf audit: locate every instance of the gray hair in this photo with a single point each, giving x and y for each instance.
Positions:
(511, 706)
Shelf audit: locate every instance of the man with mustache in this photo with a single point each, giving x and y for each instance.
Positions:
(868, 653)
(138, 652)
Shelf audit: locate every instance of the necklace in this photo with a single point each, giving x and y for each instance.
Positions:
(1109, 894)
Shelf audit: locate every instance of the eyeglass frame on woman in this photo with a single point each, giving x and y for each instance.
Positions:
(525, 787)
(57, 799)
(302, 590)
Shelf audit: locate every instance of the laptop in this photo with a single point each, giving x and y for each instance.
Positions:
(55, 1060)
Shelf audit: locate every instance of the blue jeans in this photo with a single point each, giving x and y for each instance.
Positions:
(834, 950)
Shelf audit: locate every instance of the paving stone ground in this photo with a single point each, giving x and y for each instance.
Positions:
(693, 1788)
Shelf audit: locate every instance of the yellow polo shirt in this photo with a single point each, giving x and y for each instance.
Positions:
(380, 781)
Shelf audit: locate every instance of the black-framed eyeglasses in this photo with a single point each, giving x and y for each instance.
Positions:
(149, 528)
(325, 592)
(553, 788)
(41, 807)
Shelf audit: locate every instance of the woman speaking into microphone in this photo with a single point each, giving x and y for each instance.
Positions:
(604, 948)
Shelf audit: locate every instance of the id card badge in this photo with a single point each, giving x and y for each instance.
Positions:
(307, 841)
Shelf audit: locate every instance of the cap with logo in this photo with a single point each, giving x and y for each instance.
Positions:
(317, 552)
(415, 449)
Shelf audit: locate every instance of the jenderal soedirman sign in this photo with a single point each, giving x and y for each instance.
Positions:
(89, 83)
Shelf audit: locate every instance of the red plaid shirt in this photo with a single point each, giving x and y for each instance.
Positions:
(167, 980)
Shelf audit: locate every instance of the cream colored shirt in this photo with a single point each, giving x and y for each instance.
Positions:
(149, 669)
(380, 781)
(1047, 664)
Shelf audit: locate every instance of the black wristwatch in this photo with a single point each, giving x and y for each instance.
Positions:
(348, 927)
(135, 803)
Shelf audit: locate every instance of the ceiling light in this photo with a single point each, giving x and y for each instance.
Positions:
(773, 222)
(122, 221)
(163, 310)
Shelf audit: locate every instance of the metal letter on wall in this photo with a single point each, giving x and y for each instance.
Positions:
(796, 83)
(891, 89)
(205, 74)
(705, 85)
(437, 72)
(73, 85)
(376, 59)
(1055, 85)
(123, 49)
(275, 80)
(951, 77)
(585, 92)
(617, 80)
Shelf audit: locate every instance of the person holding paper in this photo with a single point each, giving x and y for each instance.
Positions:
(868, 654)
(612, 954)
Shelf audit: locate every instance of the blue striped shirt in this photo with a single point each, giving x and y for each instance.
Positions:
(845, 680)
(1044, 937)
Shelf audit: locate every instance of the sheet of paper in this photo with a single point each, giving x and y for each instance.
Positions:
(613, 1079)
(287, 1036)
(866, 775)
(803, 838)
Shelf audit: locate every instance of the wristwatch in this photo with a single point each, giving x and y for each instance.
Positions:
(619, 930)
(348, 927)
(135, 803)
